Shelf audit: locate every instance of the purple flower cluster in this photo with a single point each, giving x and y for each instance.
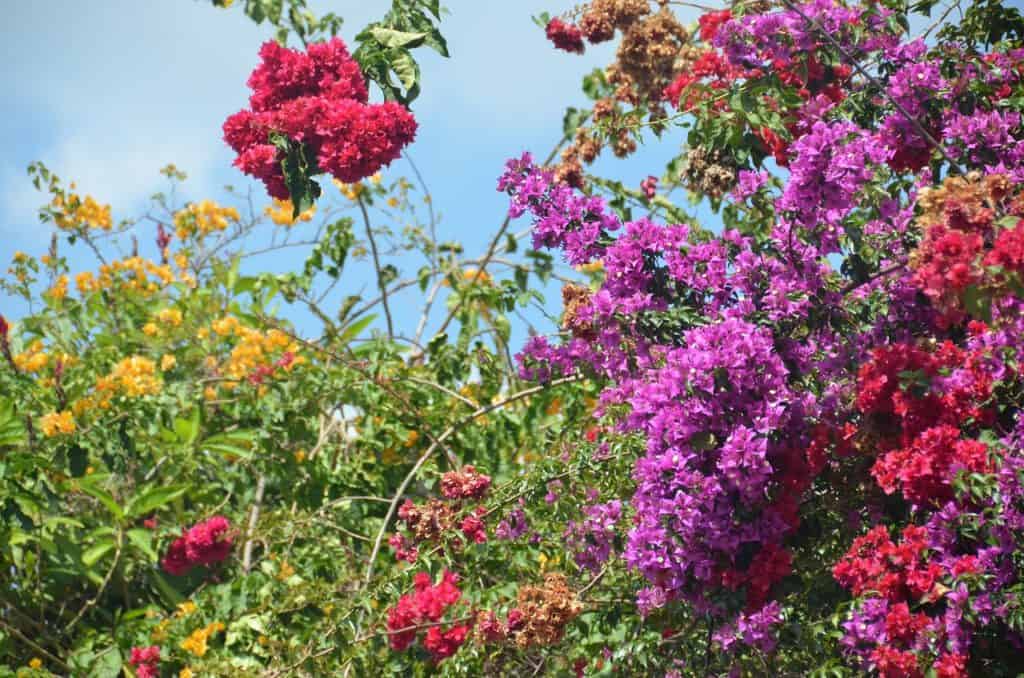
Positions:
(592, 540)
(832, 162)
(707, 410)
(561, 217)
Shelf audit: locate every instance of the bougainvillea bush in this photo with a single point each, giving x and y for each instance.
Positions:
(783, 438)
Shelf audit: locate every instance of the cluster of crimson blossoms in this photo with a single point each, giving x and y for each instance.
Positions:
(146, 661)
(836, 372)
(205, 543)
(317, 98)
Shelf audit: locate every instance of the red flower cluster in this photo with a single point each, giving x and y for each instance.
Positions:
(425, 606)
(923, 470)
(946, 264)
(465, 484)
(317, 98)
(711, 70)
(429, 522)
(204, 543)
(896, 386)
(897, 572)
(264, 371)
(771, 564)
(473, 526)
(145, 661)
(1008, 250)
(710, 22)
(918, 425)
(893, 663)
(565, 36)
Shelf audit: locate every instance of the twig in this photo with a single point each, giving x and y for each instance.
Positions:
(376, 264)
(35, 646)
(254, 516)
(437, 443)
(103, 585)
(813, 23)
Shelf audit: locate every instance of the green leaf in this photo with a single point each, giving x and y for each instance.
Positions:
(143, 541)
(353, 330)
(187, 430)
(389, 37)
(78, 460)
(407, 70)
(298, 169)
(92, 555)
(153, 499)
(232, 444)
(101, 495)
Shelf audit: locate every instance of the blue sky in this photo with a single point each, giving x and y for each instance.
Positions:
(108, 96)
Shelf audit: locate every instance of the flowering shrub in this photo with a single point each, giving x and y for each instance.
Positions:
(784, 438)
(313, 106)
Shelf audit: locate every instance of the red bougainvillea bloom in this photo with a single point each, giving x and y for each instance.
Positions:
(875, 563)
(426, 605)
(649, 187)
(145, 661)
(205, 543)
(1008, 250)
(319, 99)
(465, 484)
(951, 666)
(565, 36)
(473, 527)
(924, 470)
(893, 663)
(711, 22)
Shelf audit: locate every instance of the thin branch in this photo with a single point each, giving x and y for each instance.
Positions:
(437, 443)
(35, 646)
(254, 516)
(925, 134)
(119, 544)
(376, 264)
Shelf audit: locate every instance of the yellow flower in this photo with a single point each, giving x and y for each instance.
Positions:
(35, 663)
(134, 376)
(159, 632)
(32, 360)
(300, 456)
(203, 218)
(169, 316)
(350, 191)
(74, 212)
(392, 201)
(59, 289)
(150, 329)
(281, 213)
(412, 438)
(86, 282)
(210, 393)
(57, 423)
(185, 609)
(286, 571)
(375, 179)
(168, 362)
(196, 642)
(554, 407)
(185, 673)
